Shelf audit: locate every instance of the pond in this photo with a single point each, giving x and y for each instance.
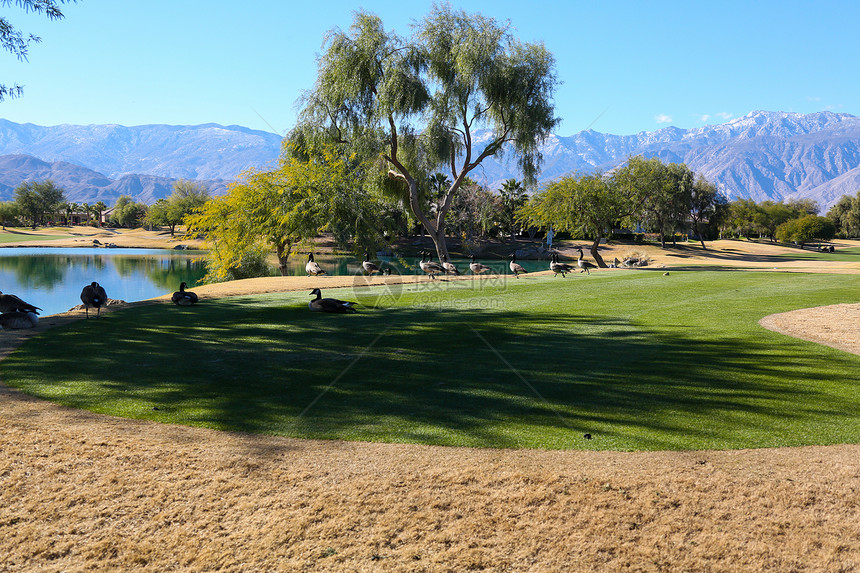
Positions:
(52, 278)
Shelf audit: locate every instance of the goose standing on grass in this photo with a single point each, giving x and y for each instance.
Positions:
(313, 268)
(450, 269)
(18, 319)
(431, 268)
(368, 266)
(477, 268)
(558, 267)
(94, 296)
(184, 297)
(515, 267)
(320, 304)
(11, 303)
(584, 265)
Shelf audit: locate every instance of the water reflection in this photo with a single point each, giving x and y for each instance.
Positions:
(52, 279)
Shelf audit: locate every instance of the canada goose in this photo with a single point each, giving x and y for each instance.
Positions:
(18, 319)
(558, 267)
(320, 304)
(477, 268)
(93, 295)
(450, 269)
(368, 266)
(516, 268)
(184, 297)
(584, 265)
(11, 303)
(431, 268)
(313, 268)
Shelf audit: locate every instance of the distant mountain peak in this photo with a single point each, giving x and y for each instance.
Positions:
(761, 155)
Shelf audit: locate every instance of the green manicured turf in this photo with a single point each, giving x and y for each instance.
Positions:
(7, 237)
(637, 359)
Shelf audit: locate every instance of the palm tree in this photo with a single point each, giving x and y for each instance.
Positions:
(513, 197)
(98, 209)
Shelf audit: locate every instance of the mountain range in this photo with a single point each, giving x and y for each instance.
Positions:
(763, 155)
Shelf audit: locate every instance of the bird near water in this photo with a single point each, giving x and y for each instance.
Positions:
(93, 295)
(584, 265)
(478, 268)
(313, 268)
(449, 267)
(18, 319)
(429, 267)
(184, 297)
(368, 266)
(11, 303)
(320, 304)
(557, 267)
(515, 267)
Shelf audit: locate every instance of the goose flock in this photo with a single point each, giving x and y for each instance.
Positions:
(15, 313)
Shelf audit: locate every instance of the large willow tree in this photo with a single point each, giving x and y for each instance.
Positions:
(416, 103)
(282, 208)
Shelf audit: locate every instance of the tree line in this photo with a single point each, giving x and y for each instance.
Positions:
(38, 203)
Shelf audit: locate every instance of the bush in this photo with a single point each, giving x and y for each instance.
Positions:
(254, 263)
(806, 229)
(627, 236)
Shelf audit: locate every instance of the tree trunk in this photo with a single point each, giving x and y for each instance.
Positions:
(595, 255)
(701, 236)
(283, 249)
(437, 231)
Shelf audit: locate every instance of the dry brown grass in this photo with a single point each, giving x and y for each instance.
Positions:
(83, 492)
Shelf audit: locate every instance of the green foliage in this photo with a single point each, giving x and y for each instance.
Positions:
(185, 198)
(473, 215)
(14, 41)
(98, 210)
(307, 194)
(845, 214)
(708, 207)
(414, 102)
(8, 213)
(127, 213)
(591, 205)
(806, 229)
(656, 364)
(37, 200)
(665, 191)
(513, 197)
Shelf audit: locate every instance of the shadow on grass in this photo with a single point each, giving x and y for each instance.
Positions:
(489, 378)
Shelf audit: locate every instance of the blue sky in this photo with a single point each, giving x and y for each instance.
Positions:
(625, 66)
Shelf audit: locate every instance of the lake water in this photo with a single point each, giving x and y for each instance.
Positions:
(52, 278)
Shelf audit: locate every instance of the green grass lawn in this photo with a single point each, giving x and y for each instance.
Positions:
(13, 237)
(639, 360)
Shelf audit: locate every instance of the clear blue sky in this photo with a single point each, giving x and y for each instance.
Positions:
(625, 66)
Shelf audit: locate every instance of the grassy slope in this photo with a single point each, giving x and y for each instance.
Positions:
(637, 359)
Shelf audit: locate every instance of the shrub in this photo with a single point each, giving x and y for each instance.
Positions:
(806, 229)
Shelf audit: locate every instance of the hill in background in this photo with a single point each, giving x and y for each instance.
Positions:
(763, 155)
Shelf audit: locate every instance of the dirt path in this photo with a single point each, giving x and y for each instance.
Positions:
(82, 492)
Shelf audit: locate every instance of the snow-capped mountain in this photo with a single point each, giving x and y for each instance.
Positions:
(175, 151)
(763, 155)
